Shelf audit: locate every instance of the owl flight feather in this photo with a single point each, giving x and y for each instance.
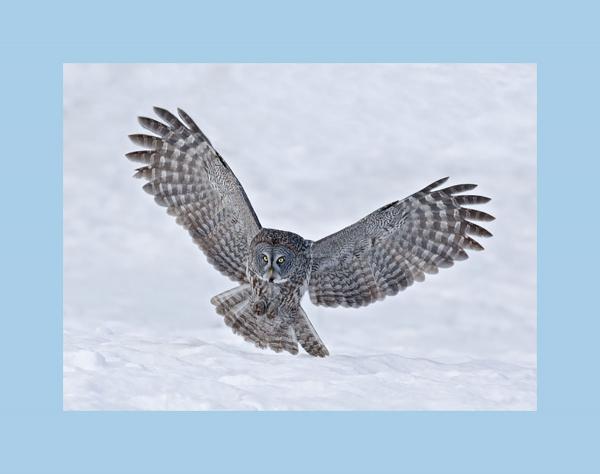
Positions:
(378, 256)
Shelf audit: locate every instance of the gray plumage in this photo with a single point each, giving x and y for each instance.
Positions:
(378, 256)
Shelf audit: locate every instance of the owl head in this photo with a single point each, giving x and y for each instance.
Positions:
(276, 254)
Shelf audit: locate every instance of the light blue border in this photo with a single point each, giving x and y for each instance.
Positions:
(37, 437)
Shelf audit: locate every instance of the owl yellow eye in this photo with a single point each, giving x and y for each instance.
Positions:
(280, 260)
(265, 258)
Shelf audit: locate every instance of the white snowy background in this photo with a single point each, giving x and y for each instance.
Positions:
(316, 147)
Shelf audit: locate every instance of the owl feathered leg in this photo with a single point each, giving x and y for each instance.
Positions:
(280, 333)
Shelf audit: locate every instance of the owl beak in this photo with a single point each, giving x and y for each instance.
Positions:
(270, 274)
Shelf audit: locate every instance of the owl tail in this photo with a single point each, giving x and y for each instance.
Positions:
(229, 299)
(280, 333)
(308, 337)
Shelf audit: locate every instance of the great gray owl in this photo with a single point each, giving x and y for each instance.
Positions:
(378, 256)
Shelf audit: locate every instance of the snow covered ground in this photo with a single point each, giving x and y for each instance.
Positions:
(316, 147)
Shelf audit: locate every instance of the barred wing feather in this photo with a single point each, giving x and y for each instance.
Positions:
(396, 245)
(187, 176)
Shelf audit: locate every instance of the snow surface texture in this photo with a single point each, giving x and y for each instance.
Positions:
(317, 147)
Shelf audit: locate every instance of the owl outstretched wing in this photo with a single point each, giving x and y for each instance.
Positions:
(396, 245)
(187, 176)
